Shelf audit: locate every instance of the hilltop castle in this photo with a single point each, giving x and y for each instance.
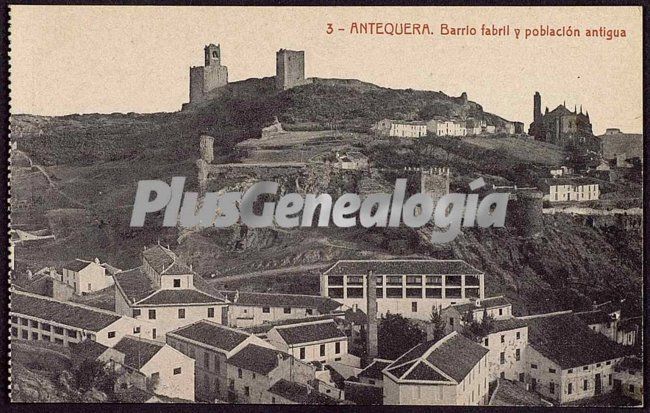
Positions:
(560, 126)
(213, 75)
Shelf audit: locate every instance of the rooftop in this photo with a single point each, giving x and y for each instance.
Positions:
(322, 304)
(268, 326)
(137, 351)
(363, 394)
(212, 334)
(180, 296)
(565, 339)
(594, 317)
(310, 332)
(164, 261)
(256, 358)
(73, 315)
(299, 393)
(76, 265)
(374, 369)
(88, 349)
(507, 324)
(449, 359)
(484, 304)
(508, 393)
(135, 284)
(402, 267)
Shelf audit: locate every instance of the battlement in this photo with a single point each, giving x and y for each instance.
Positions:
(204, 79)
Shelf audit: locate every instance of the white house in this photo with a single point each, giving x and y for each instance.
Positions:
(163, 292)
(311, 341)
(565, 190)
(452, 371)
(35, 317)
(457, 315)
(440, 127)
(86, 276)
(353, 160)
(248, 309)
(400, 128)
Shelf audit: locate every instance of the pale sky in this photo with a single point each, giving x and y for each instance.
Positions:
(85, 59)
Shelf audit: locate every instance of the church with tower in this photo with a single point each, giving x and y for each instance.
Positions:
(560, 126)
(204, 79)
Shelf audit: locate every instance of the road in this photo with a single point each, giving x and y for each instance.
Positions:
(264, 273)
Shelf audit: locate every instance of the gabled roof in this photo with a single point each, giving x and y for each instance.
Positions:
(374, 369)
(299, 393)
(137, 351)
(507, 324)
(88, 349)
(402, 267)
(594, 317)
(363, 394)
(448, 360)
(266, 327)
(76, 265)
(245, 298)
(256, 358)
(484, 304)
(310, 332)
(135, 284)
(66, 313)
(164, 261)
(508, 393)
(212, 334)
(179, 296)
(568, 341)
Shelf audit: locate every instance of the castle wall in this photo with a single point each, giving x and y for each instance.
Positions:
(214, 77)
(289, 69)
(196, 83)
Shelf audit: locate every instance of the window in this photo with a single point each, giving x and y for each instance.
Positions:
(585, 384)
(247, 391)
(239, 373)
(413, 280)
(610, 380)
(34, 336)
(414, 292)
(433, 292)
(608, 363)
(153, 333)
(287, 310)
(111, 334)
(598, 365)
(211, 312)
(570, 371)
(136, 312)
(24, 322)
(177, 283)
(486, 342)
(631, 388)
(517, 354)
(533, 365)
(502, 375)
(355, 292)
(334, 280)
(302, 353)
(521, 377)
(152, 314)
(206, 361)
(14, 331)
(500, 311)
(90, 287)
(503, 338)
(181, 313)
(177, 371)
(355, 280)
(380, 292)
(585, 368)
(502, 358)
(518, 335)
(72, 333)
(569, 389)
(337, 347)
(394, 280)
(434, 280)
(322, 350)
(309, 311)
(393, 293)
(266, 309)
(451, 321)
(56, 340)
(136, 330)
(414, 307)
(550, 370)
(58, 330)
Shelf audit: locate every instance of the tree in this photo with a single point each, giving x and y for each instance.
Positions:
(93, 374)
(397, 335)
(437, 324)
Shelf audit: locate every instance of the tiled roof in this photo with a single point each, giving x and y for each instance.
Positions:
(629, 324)
(399, 267)
(164, 261)
(76, 265)
(497, 326)
(363, 394)
(357, 316)
(508, 393)
(137, 352)
(212, 334)
(322, 304)
(73, 315)
(299, 393)
(180, 296)
(266, 327)
(88, 349)
(135, 284)
(594, 317)
(310, 332)
(373, 370)
(486, 303)
(256, 358)
(454, 356)
(569, 342)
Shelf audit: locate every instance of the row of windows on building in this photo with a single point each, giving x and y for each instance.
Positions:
(285, 310)
(181, 313)
(43, 327)
(322, 351)
(388, 292)
(408, 280)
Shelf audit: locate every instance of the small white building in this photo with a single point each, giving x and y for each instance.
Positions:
(561, 171)
(507, 340)
(86, 276)
(456, 316)
(319, 340)
(441, 127)
(628, 378)
(568, 190)
(452, 371)
(400, 128)
(35, 317)
(353, 160)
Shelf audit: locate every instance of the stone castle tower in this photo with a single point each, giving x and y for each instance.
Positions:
(207, 144)
(204, 79)
(289, 69)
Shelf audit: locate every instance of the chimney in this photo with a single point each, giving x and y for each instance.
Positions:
(371, 294)
(355, 307)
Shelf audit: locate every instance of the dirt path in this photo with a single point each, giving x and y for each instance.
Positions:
(264, 273)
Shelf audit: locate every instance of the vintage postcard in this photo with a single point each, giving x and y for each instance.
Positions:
(326, 205)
